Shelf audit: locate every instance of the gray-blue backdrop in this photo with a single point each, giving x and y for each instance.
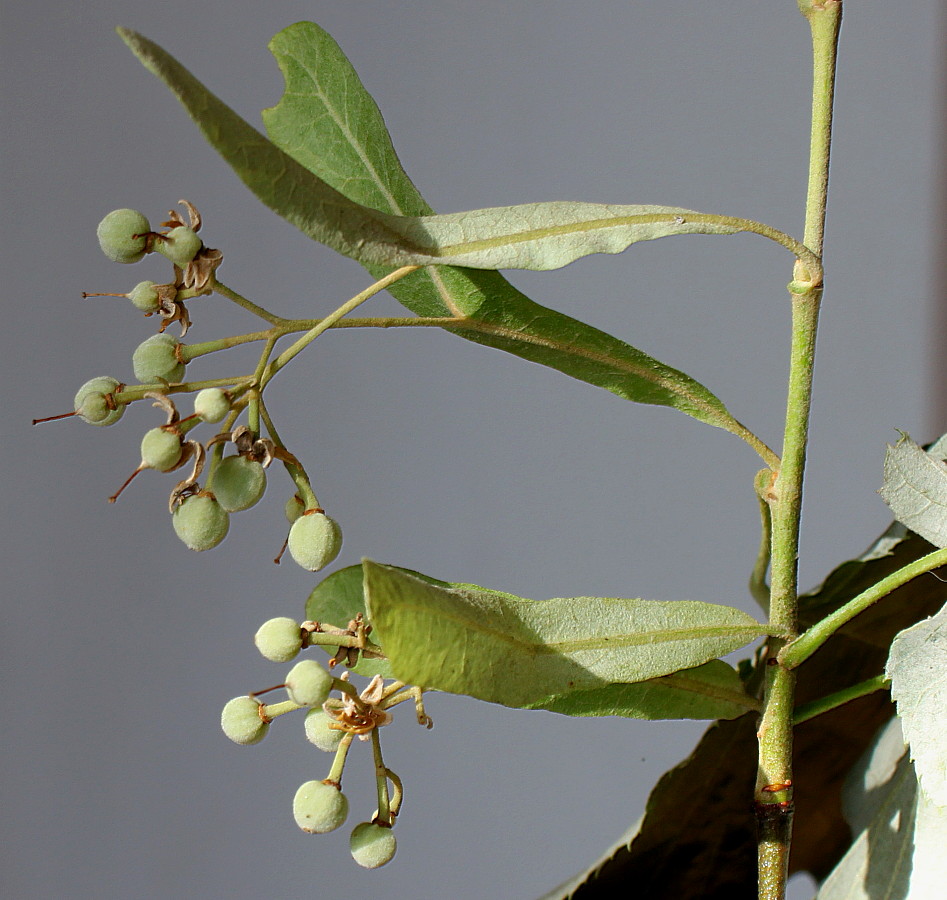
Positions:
(121, 646)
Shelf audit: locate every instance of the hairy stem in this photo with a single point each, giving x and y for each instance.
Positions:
(832, 701)
(806, 644)
(774, 777)
(332, 318)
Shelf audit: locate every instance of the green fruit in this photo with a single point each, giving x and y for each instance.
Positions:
(155, 359)
(91, 404)
(372, 845)
(123, 234)
(200, 522)
(144, 296)
(239, 483)
(279, 639)
(318, 732)
(294, 508)
(314, 540)
(180, 245)
(308, 684)
(212, 404)
(241, 722)
(161, 449)
(320, 807)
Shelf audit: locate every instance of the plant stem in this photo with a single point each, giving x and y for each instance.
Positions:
(248, 305)
(806, 644)
(332, 318)
(381, 780)
(773, 805)
(832, 701)
(759, 589)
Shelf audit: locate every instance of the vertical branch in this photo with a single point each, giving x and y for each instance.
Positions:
(774, 778)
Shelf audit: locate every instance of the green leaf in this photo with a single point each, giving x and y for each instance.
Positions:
(329, 123)
(536, 236)
(917, 667)
(698, 834)
(898, 851)
(338, 599)
(330, 126)
(518, 652)
(915, 488)
(711, 691)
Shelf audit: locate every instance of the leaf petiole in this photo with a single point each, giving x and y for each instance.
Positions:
(799, 650)
(806, 711)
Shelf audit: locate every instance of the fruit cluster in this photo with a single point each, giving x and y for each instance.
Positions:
(200, 514)
(229, 473)
(331, 724)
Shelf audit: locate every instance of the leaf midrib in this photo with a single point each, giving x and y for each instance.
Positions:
(564, 648)
(396, 207)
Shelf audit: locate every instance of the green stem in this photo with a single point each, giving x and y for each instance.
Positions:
(137, 392)
(272, 710)
(774, 807)
(381, 780)
(332, 318)
(814, 708)
(192, 351)
(296, 471)
(805, 252)
(344, 640)
(248, 305)
(759, 589)
(799, 650)
(254, 400)
(338, 763)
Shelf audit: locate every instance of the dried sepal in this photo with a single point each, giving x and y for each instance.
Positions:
(163, 401)
(362, 713)
(176, 220)
(184, 489)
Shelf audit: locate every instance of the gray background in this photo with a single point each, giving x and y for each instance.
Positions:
(121, 646)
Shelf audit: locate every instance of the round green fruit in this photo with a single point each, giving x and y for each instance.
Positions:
(91, 401)
(308, 684)
(212, 404)
(239, 483)
(318, 731)
(200, 522)
(314, 540)
(372, 845)
(123, 235)
(320, 807)
(294, 508)
(161, 449)
(241, 722)
(180, 245)
(279, 639)
(144, 296)
(155, 359)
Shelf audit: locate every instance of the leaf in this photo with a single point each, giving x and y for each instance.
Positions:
(329, 123)
(338, 599)
(711, 691)
(915, 488)
(517, 652)
(917, 667)
(898, 851)
(698, 835)
(330, 126)
(536, 236)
